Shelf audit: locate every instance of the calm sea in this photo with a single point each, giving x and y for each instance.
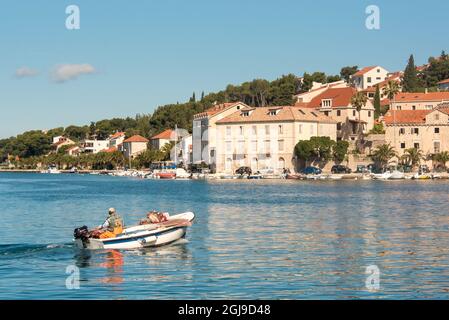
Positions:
(251, 239)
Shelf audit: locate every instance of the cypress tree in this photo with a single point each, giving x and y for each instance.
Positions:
(377, 111)
(410, 81)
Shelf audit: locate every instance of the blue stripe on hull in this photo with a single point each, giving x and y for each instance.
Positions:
(118, 240)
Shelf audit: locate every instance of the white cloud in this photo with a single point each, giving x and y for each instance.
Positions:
(24, 72)
(65, 72)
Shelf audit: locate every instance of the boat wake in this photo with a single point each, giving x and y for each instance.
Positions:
(23, 249)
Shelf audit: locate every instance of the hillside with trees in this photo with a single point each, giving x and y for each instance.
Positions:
(256, 93)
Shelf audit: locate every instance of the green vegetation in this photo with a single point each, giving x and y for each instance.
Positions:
(437, 71)
(377, 129)
(256, 93)
(410, 80)
(347, 72)
(321, 149)
(412, 157)
(441, 158)
(359, 101)
(377, 105)
(383, 154)
(391, 89)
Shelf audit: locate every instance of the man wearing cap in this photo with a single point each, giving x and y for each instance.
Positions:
(112, 226)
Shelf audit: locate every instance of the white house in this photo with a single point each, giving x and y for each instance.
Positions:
(368, 77)
(184, 151)
(94, 146)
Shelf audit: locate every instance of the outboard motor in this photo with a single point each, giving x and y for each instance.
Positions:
(81, 233)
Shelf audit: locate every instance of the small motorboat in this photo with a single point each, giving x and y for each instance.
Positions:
(421, 176)
(382, 176)
(294, 177)
(166, 175)
(141, 236)
(397, 175)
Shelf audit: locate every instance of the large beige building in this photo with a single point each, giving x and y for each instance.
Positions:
(336, 103)
(419, 101)
(426, 130)
(265, 138)
(204, 137)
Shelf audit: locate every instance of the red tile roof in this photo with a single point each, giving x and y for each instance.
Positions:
(341, 97)
(363, 71)
(167, 135)
(117, 135)
(217, 109)
(413, 97)
(406, 117)
(136, 138)
(444, 81)
(110, 150)
(284, 114)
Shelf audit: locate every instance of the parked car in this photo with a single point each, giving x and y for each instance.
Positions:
(362, 169)
(244, 170)
(424, 168)
(311, 170)
(340, 169)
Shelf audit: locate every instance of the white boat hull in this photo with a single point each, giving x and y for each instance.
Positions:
(139, 237)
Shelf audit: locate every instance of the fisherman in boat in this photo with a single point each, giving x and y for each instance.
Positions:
(112, 226)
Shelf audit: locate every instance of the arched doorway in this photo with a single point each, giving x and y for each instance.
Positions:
(254, 164)
(228, 165)
(281, 164)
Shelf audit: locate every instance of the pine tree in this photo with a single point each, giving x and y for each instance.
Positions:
(377, 110)
(410, 81)
(193, 98)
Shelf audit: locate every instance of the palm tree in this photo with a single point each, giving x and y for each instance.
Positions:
(442, 158)
(359, 101)
(413, 157)
(383, 154)
(391, 90)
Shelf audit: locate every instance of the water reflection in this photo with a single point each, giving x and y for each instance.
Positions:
(114, 265)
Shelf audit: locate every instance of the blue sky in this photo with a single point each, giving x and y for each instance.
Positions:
(150, 53)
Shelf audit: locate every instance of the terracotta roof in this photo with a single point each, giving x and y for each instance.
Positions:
(284, 114)
(117, 135)
(167, 134)
(406, 116)
(301, 104)
(218, 108)
(136, 138)
(341, 97)
(385, 102)
(363, 71)
(444, 107)
(73, 148)
(110, 150)
(413, 97)
(444, 81)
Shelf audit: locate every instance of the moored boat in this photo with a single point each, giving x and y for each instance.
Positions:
(165, 175)
(397, 175)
